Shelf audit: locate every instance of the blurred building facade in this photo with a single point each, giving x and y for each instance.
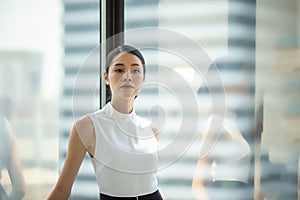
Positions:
(81, 20)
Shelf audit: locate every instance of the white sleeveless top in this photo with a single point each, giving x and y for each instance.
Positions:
(125, 159)
(232, 156)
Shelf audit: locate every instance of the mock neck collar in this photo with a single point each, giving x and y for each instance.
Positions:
(116, 115)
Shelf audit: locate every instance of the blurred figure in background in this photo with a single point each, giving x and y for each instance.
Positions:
(222, 172)
(9, 158)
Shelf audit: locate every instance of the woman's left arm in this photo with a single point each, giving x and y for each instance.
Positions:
(14, 169)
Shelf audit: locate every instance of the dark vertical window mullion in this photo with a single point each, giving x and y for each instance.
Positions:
(113, 12)
(114, 22)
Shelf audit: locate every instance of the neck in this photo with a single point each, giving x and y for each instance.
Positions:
(122, 105)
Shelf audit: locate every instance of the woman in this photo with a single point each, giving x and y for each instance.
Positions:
(223, 172)
(121, 145)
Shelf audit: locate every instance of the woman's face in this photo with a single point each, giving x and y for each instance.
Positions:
(125, 76)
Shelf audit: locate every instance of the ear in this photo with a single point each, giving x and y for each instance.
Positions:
(105, 76)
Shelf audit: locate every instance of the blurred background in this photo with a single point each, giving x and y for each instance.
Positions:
(31, 73)
(44, 43)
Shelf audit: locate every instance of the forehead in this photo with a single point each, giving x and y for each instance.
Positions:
(126, 57)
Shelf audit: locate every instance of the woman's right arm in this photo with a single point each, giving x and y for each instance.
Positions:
(202, 175)
(74, 158)
(201, 179)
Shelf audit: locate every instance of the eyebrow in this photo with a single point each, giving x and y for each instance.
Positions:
(121, 64)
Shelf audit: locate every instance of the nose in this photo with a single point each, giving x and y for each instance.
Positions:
(127, 76)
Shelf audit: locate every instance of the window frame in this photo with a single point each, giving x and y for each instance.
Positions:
(112, 23)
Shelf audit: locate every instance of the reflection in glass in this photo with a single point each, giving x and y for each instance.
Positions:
(224, 165)
(278, 97)
(209, 25)
(9, 158)
(30, 76)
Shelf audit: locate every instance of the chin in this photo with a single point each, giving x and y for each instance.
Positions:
(127, 97)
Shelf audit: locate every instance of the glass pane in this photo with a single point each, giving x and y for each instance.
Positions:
(30, 78)
(278, 97)
(201, 64)
(80, 85)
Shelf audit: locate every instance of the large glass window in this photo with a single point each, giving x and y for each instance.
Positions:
(255, 46)
(185, 38)
(30, 84)
(228, 58)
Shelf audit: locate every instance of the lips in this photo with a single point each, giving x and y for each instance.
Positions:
(127, 86)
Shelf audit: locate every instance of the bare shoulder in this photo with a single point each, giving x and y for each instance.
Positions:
(84, 123)
(86, 132)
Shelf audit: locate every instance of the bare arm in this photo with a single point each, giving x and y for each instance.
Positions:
(202, 174)
(15, 170)
(75, 155)
(155, 132)
(201, 178)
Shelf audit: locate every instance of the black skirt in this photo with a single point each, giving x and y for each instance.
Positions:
(153, 196)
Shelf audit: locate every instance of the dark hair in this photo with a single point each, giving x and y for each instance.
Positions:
(124, 49)
(240, 68)
(219, 68)
(114, 53)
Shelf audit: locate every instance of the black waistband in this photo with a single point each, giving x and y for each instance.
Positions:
(153, 196)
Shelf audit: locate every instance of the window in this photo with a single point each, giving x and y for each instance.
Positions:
(180, 33)
(49, 77)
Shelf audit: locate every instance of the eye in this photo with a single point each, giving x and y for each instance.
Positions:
(136, 71)
(118, 70)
